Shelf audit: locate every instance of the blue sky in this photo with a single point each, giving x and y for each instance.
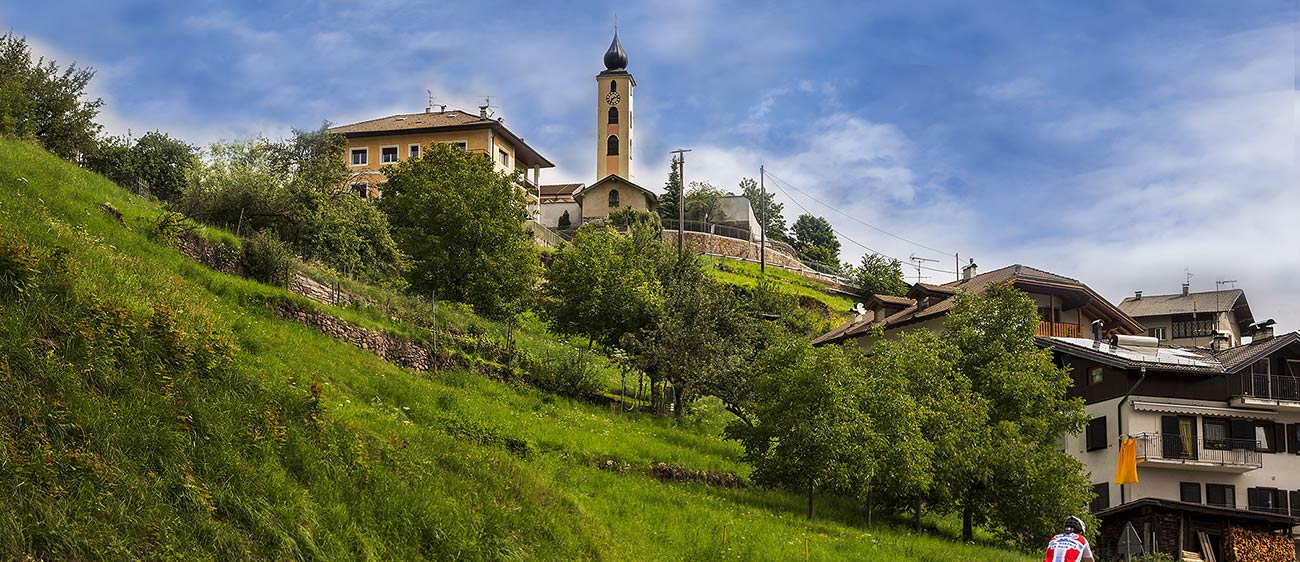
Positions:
(1121, 143)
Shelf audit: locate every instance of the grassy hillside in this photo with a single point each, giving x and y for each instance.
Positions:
(834, 306)
(151, 408)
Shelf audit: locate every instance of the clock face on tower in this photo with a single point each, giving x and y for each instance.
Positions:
(612, 98)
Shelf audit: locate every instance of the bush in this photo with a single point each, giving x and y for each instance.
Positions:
(268, 259)
(156, 164)
(568, 375)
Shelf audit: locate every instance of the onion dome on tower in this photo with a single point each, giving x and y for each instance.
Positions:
(615, 57)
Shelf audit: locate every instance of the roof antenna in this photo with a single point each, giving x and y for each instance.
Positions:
(429, 107)
(918, 261)
(483, 109)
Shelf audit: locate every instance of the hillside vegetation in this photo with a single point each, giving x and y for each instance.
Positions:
(151, 408)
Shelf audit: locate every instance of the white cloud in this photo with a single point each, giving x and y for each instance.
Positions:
(1013, 89)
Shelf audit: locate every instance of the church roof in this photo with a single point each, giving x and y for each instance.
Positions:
(612, 178)
(454, 120)
(616, 57)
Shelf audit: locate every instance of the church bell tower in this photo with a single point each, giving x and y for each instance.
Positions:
(614, 115)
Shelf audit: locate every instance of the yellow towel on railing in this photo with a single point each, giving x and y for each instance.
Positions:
(1126, 471)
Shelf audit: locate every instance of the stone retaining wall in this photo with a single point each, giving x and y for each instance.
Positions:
(394, 349)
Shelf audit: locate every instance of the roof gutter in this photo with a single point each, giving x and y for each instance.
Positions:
(1119, 415)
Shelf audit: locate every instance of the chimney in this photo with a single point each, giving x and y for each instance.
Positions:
(969, 271)
(1137, 295)
(1096, 329)
(1220, 341)
(1186, 288)
(482, 112)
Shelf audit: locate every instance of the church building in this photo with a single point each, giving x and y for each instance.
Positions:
(613, 188)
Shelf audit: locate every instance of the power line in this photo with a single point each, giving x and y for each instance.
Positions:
(857, 220)
(778, 183)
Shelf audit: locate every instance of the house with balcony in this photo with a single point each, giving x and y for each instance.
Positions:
(377, 143)
(1066, 306)
(1217, 435)
(1191, 319)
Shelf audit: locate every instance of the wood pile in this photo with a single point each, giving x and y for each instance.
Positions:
(1240, 545)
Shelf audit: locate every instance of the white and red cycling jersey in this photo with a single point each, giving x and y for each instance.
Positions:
(1068, 547)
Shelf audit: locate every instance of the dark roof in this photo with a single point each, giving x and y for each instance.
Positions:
(615, 57)
(559, 189)
(1178, 303)
(891, 299)
(1237, 358)
(1279, 522)
(1016, 274)
(454, 120)
(612, 178)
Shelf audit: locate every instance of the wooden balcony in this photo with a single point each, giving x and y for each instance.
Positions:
(1059, 330)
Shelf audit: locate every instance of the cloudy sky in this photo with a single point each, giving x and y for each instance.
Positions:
(1122, 143)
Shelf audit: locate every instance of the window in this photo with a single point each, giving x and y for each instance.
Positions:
(1216, 434)
(1102, 501)
(613, 198)
(458, 144)
(388, 155)
(613, 115)
(1260, 367)
(1190, 326)
(1158, 333)
(613, 85)
(1221, 495)
(1293, 437)
(1295, 503)
(1096, 434)
(1268, 438)
(1178, 437)
(415, 151)
(1271, 500)
(1189, 492)
(503, 157)
(611, 146)
(361, 189)
(1094, 375)
(359, 156)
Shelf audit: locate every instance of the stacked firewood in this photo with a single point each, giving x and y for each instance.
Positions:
(1240, 545)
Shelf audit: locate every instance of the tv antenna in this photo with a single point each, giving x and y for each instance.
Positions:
(918, 262)
(1188, 272)
(428, 108)
(483, 110)
(1218, 286)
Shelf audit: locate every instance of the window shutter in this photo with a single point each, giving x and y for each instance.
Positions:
(1170, 444)
(1279, 438)
(1189, 492)
(1096, 434)
(1293, 437)
(1295, 503)
(1214, 495)
(1242, 433)
(1253, 500)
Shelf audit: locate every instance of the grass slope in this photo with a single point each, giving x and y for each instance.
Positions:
(153, 409)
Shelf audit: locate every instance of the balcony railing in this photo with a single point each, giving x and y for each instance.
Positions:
(1059, 330)
(1282, 388)
(1173, 448)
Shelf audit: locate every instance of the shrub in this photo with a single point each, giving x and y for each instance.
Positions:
(268, 259)
(569, 375)
(565, 221)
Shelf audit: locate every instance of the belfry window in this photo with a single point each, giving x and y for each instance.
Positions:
(611, 146)
(613, 116)
(613, 198)
(613, 85)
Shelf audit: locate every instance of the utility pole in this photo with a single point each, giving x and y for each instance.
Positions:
(681, 197)
(762, 224)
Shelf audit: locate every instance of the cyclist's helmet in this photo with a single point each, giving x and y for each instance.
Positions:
(1074, 525)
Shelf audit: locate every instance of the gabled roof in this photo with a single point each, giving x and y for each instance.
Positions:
(891, 301)
(941, 300)
(560, 189)
(1178, 303)
(612, 178)
(1237, 358)
(454, 120)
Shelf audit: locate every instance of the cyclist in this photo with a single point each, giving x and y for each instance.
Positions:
(1070, 546)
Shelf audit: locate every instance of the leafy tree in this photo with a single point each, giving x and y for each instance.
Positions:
(810, 431)
(461, 222)
(879, 275)
(767, 209)
(667, 207)
(1029, 411)
(605, 284)
(704, 203)
(237, 185)
(41, 101)
(815, 239)
(163, 164)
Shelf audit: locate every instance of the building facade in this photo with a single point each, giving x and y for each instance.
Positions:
(375, 144)
(1194, 319)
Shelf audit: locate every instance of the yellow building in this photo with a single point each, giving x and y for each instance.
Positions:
(377, 143)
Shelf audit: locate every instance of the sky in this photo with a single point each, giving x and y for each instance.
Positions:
(1126, 144)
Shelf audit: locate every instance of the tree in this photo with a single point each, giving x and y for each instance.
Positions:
(704, 203)
(162, 164)
(40, 101)
(667, 207)
(766, 208)
(605, 284)
(462, 224)
(815, 238)
(1028, 413)
(809, 430)
(879, 275)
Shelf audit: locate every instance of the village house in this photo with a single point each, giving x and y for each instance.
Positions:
(377, 143)
(1195, 319)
